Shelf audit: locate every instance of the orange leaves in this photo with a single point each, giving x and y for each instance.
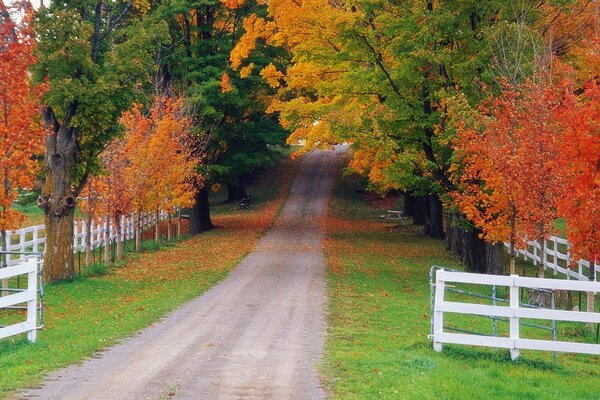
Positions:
(533, 155)
(226, 86)
(508, 178)
(151, 167)
(233, 4)
(271, 75)
(580, 162)
(21, 132)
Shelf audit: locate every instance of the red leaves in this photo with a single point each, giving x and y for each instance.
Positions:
(532, 155)
(21, 133)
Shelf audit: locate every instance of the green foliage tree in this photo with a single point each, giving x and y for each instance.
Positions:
(228, 109)
(95, 57)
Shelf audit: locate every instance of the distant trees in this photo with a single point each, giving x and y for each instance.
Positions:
(389, 78)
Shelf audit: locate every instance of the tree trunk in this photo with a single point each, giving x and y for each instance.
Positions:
(3, 261)
(107, 259)
(138, 232)
(542, 243)
(157, 227)
(591, 296)
(419, 210)
(453, 234)
(493, 265)
(408, 205)
(236, 192)
(58, 197)
(434, 217)
(179, 223)
(119, 238)
(513, 267)
(169, 228)
(474, 252)
(200, 218)
(59, 260)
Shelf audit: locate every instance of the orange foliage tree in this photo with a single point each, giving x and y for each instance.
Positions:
(508, 176)
(21, 134)
(160, 169)
(580, 159)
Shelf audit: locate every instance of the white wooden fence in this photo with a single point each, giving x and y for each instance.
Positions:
(33, 239)
(556, 260)
(17, 297)
(514, 312)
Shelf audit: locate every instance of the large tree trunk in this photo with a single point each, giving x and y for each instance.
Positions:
(474, 252)
(419, 210)
(434, 217)
(200, 218)
(453, 234)
(58, 197)
(493, 254)
(236, 192)
(59, 260)
(408, 205)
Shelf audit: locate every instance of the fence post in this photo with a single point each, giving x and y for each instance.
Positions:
(35, 238)
(555, 256)
(514, 321)
(438, 323)
(32, 278)
(22, 245)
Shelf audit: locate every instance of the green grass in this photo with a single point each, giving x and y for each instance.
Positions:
(379, 319)
(108, 303)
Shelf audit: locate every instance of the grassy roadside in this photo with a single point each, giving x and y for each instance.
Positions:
(89, 314)
(377, 346)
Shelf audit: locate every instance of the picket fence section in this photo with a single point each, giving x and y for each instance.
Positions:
(33, 239)
(514, 312)
(557, 260)
(16, 297)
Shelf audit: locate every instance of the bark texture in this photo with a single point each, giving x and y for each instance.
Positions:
(58, 196)
(200, 219)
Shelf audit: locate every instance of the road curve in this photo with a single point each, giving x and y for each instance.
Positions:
(256, 335)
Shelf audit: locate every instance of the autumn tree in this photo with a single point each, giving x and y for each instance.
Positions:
(159, 150)
(580, 160)
(380, 75)
(227, 109)
(95, 57)
(21, 132)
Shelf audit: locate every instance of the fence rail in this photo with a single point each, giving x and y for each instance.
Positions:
(14, 298)
(514, 312)
(33, 239)
(556, 257)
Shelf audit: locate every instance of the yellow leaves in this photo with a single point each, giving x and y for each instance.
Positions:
(255, 28)
(246, 71)
(142, 6)
(226, 86)
(271, 75)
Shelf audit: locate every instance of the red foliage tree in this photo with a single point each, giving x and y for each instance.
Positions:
(509, 179)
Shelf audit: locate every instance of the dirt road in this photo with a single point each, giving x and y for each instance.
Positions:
(256, 335)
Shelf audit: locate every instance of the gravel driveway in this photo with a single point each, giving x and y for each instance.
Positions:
(257, 335)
